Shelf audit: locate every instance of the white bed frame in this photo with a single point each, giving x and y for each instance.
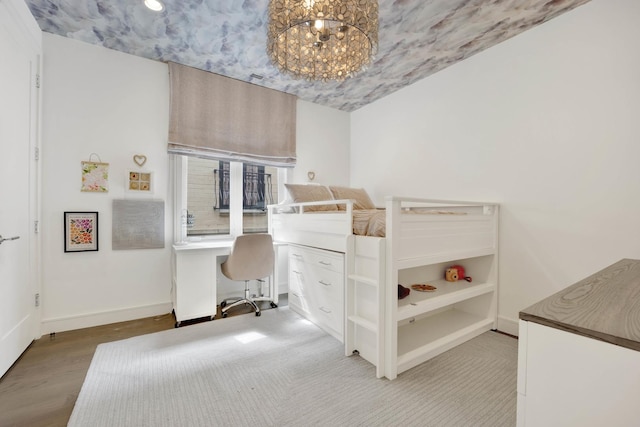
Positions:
(397, 335)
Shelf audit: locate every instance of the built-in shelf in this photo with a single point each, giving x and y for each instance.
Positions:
(443, 257)
(447, 293)
(427, 337)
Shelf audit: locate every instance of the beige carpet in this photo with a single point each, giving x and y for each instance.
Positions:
(280, 370)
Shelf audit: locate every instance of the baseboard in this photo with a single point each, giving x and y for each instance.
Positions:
(509, 326)
(88, 320)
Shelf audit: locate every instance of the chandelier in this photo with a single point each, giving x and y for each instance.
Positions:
(322, 39)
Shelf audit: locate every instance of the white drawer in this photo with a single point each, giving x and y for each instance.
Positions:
(316, 287)
(314, 257)
(324, 284)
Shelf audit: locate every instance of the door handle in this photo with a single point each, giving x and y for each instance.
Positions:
(2, 239)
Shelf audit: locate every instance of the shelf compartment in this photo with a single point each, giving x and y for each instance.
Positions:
(437, 258)
(430, 336)
(448, 293)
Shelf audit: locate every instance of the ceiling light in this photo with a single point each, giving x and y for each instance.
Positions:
(322, 39)
(154, 5)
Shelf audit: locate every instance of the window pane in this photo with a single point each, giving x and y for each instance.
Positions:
(209, 193)
(204, 197)
(260, 188)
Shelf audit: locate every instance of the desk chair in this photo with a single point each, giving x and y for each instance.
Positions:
(251, 258)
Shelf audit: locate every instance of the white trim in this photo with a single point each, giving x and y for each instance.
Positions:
(507, 325)
(103, 318)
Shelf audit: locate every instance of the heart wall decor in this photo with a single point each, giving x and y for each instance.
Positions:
(140, 159)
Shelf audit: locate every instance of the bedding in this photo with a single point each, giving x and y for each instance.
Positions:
(369, 222)
(361, 199)
(301, 193)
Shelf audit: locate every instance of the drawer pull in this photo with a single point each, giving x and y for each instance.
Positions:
(295, 272)
(325, 310)
(296, 255)
(295, 295)
(324, 283)
(324, 263)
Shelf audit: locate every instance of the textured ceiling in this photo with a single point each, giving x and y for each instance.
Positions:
(416, 38)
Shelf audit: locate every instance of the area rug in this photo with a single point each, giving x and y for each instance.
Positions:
(281, 370)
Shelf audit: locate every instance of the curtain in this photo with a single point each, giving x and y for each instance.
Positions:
(218, 117)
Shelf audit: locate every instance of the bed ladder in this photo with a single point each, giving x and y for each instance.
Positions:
(364, 329)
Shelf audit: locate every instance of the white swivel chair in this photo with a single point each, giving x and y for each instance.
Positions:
(251, 258)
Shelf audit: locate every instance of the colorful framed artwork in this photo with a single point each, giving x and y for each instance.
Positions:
(80, 231)
(95, 177)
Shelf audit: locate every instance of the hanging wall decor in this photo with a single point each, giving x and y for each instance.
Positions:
(139, 181)
(95, 175)
(80, 231)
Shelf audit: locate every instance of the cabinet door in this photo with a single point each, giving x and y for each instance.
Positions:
(195, 284)
(572, 380)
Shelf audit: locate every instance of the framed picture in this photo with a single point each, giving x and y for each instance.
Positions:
(80, 231)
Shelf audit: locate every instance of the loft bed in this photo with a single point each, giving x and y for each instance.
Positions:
(422, 237)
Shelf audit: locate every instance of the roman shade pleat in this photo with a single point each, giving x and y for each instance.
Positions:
(218, 117)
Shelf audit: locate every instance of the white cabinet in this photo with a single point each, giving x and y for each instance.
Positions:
(316, 287)
(193, 290)
(579, 353)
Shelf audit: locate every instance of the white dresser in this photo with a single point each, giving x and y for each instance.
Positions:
(579, 353)
(316, 287)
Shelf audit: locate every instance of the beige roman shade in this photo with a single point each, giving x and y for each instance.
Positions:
(218, 117)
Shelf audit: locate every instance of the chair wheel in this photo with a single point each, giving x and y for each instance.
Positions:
(223, 304)
(273, 305)
(258, 313)
(176, 325)
(225, 314)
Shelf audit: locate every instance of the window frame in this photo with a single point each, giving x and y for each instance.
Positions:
(179, 170)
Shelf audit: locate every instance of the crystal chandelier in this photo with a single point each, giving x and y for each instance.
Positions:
(322, 39)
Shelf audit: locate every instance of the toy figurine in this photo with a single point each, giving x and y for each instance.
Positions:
(455, 273)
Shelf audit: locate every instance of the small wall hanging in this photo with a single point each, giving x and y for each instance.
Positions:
(140, 159)
(80, 231)
(140, 181)
(95, 175)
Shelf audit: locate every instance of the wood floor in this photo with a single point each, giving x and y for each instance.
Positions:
(41, 388)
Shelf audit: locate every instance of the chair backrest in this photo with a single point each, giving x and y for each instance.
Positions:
(251, 257)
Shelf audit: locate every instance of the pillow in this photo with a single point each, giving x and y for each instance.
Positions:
(301, 193)
(359, 195)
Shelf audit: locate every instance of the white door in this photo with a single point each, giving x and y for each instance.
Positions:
(19, 322)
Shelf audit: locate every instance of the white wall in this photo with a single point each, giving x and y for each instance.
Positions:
(322, 145)
(97, 100)
(545, 123)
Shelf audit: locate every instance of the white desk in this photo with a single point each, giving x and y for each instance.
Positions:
(194, 284)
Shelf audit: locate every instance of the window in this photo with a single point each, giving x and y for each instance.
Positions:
(220, 198)
(257, 187)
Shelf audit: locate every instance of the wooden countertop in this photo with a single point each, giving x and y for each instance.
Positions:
(604, 306)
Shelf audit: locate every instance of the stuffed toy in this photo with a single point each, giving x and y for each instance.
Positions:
(455, 273)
